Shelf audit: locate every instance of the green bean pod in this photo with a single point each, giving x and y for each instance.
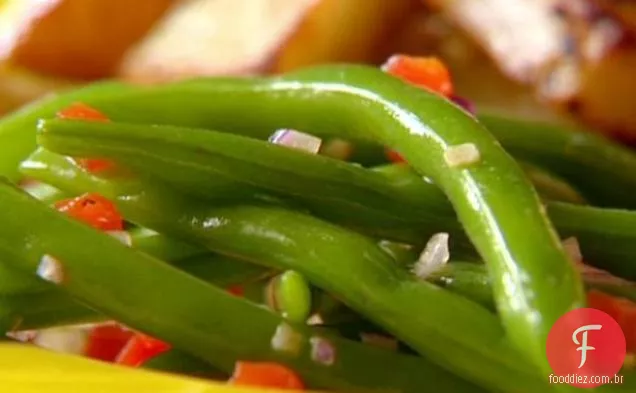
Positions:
(49, 307)
(600, 168)
(496, 204)
(179, 362)
(607, 237)
(383, 291)
(472, 281)
(197, 317)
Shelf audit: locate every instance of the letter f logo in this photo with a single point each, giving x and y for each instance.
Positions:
(583, 344)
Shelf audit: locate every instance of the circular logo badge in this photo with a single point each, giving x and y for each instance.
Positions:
(586, 348)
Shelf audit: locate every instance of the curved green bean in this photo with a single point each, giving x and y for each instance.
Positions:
(390, 202)
(383, 290)
(472, 281)
(120, 282)
(601, 169)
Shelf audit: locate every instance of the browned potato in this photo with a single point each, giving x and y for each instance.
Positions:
(600, 93)
(576, 55)
(475, 75)
(75, 39)
(18, 87)
(344, 30)
(215, 37)
(237, 37)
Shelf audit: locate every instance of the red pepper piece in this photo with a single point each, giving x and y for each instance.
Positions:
(94, 210)
(622, 310)
(80, 111)
(265, 374)
(394, 156)
(236, 290)
(141, 348)
(427, 72)
(105, 342)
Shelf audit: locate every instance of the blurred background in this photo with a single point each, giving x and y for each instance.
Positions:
(560, 60)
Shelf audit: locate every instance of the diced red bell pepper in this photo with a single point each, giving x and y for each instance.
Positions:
(622, 310)
(265, 374)
(94, 210)
(105, 342)
(236, 290)
(95, 165)
(80, 111)
(141, 348)
(427, 72)
(394, 156)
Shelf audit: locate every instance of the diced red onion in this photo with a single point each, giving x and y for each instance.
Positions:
(465, 104)
(322, 351)
(435, 255)
(296, 140)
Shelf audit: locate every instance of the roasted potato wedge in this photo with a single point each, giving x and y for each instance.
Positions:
(236, 37)
(76, 39)
(344, 30)
(215, 37)
(578, 55)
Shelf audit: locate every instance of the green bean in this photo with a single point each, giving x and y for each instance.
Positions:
(383, 291)
(44, 192)
(14, 129)
(495, 203)
(163, 247)
(472, 281)
(12, 282)
(385, 198)
(26, 310)
(49, 308)
(551, 187)
(601, 169)
(175, 361)
(122, 283)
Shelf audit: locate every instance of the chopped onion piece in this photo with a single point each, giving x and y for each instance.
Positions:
(314, 320)
(379, 341)
(122, 236)
(286, 339)
(297, 140)
(322, 351)
(573, 250)
(64, 339)
(462, 155)
(50, 269)
(25, 336)
(435, 255)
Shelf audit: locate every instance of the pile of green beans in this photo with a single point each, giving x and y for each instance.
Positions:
(213, 204)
